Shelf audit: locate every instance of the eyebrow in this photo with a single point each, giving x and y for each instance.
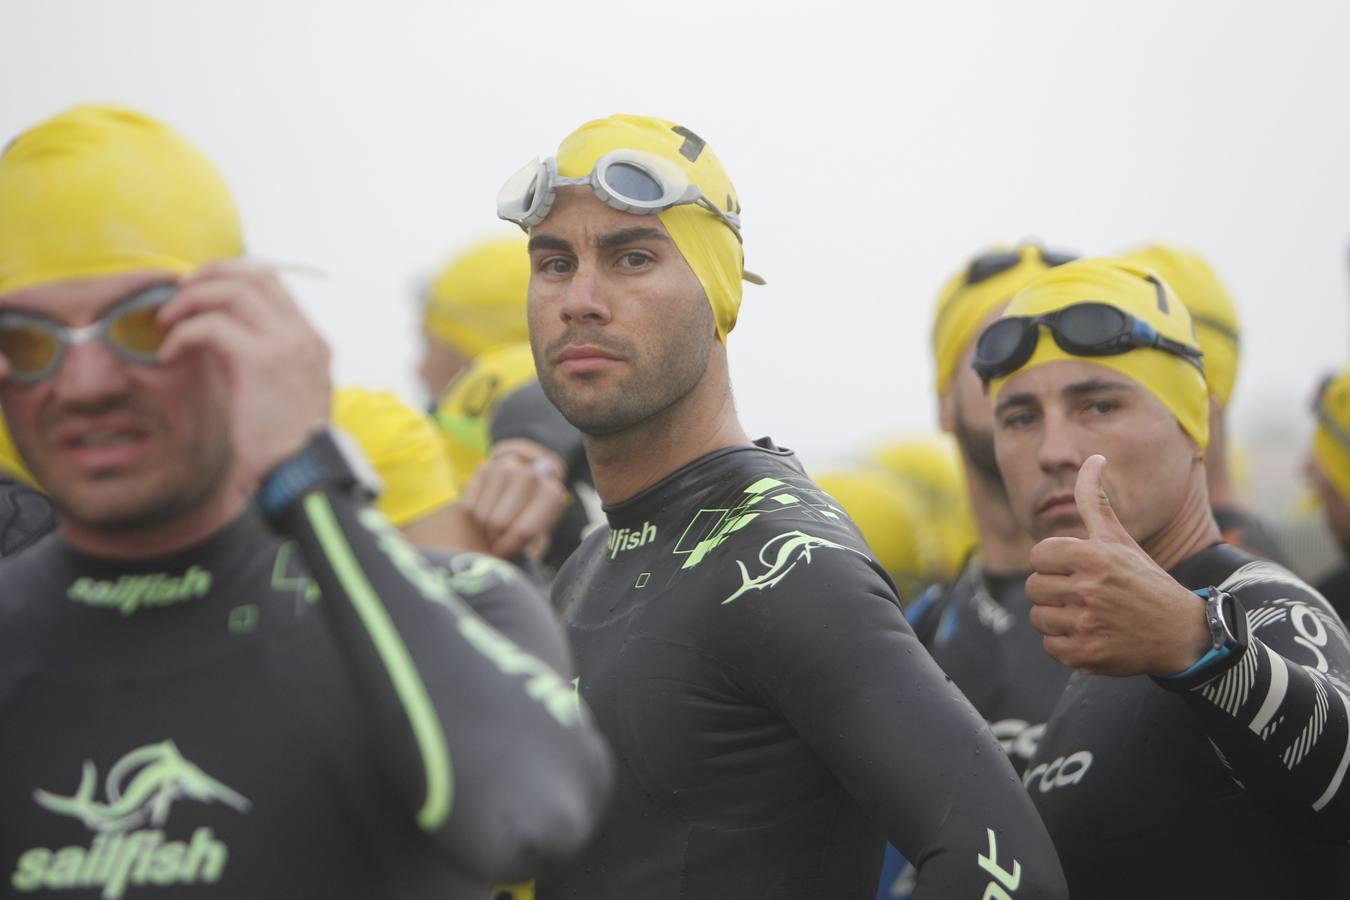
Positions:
(1077, 389)
(1095, 386)
(548, 242)
(629, 236)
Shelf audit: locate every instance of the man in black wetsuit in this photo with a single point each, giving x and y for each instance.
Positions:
(1202, 751)
(227, 673)
(772, 713)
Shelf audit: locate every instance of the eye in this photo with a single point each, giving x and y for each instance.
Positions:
(635, 259)
(556, 265)
(1017, 418)
(1103, 407)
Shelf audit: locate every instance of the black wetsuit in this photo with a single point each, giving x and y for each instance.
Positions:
(316, 717)
(1336, 588)
(25, 516)
(1228, 783)
(773, 716)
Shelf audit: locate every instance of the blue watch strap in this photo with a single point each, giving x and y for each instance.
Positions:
(1215, 653)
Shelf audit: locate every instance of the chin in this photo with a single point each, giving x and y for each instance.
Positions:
(1063, 526)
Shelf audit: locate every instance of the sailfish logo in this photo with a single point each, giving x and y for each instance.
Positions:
(782, 554)
(141, 788)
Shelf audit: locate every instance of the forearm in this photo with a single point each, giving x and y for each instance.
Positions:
(484, 743)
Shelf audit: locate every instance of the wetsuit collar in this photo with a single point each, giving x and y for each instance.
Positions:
(677, 488)
(1198, 571)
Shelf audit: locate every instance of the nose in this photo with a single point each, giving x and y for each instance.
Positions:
(89, 374)
(1059, 448)
(583, 300)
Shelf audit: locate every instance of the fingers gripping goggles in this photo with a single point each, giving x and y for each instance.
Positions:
(34, 345)
(630, 181)
(1084, 329)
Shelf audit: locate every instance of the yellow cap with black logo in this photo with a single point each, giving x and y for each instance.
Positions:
(1178, 384)
(964, 305)
(465, 409)
(1331, 440)
(404, 448)
(709, 247)
(102, 190)
(1211, 307)
(477, 299)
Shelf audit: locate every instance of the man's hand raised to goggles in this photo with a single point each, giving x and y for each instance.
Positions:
(276, 363)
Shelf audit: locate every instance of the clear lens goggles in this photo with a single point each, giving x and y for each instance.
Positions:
(1084, 329)
(630, 181)
(34, 346)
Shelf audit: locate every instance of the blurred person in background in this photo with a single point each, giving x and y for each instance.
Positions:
(1328, 471)
(474, 302)
(976, 623)
(773, 715)
(930, 468)
(1219, 332)
(1201, 748)
(225, 671)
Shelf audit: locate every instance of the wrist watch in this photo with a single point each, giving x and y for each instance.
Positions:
(331, 458)
(1226, 631)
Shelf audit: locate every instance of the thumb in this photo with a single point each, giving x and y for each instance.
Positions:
(1094, 507)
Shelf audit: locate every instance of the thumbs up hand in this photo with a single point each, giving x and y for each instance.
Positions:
(1104, 606)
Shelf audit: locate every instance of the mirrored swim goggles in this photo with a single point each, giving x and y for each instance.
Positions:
(1084, 329)
(34, 345)
(630, 181)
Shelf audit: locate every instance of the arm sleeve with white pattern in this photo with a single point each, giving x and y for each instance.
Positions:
(1279, 714)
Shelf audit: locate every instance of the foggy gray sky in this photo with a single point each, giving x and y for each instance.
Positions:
(874, 146)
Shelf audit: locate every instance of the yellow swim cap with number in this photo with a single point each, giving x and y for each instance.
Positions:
(1177, 383)
(465, 409)
(706, 243)
(101, 190)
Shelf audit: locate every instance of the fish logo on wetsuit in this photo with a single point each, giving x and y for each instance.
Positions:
(781, 554)
(161, 776)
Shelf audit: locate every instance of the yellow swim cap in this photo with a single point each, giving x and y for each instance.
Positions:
(465, 409)
(477, 300)
(10, 461)
(100, 190)
(930, 467)
(1331, 450)
(1210, 305)
(1178, 384)
(886, 512)
(966, 301)
(706, 243)
(404, 448)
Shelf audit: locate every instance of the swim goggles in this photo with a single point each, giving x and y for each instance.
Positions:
(630, 181)
(34, 345)
(1084, 329)
(996, 262)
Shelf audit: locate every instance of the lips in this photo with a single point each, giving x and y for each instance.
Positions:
(102, 446)
(1057, 504)
(580, 358)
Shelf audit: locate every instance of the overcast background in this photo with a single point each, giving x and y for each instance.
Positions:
(875, 148)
